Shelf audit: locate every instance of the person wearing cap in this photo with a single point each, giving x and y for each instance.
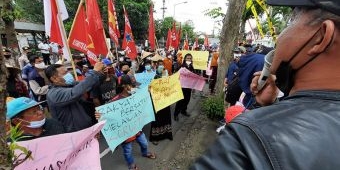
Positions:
(15, 87)
(248, 64)
(104, 92)
(29, 116)
(302, 130)
(23, 59)
(231, 81)
(65, 96)
(37, 81)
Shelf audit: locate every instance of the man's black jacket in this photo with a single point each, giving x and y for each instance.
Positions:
(300, 132)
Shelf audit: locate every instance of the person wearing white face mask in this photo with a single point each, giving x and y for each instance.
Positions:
(29, 116)
(181, 106)
(38, 83)
(65, 96)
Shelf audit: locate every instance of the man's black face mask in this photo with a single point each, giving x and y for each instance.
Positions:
(285, 73)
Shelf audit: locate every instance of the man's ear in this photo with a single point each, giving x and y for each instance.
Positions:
(324, 39)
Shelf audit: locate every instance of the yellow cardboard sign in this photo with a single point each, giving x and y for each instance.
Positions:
(199, 58)
(166, 91)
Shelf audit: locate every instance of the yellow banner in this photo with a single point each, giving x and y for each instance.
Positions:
(166, 91)
(199, 58)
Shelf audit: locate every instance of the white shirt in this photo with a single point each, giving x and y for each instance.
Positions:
(44, 48)
(23, 60)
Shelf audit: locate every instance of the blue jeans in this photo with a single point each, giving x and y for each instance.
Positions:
(127, 148)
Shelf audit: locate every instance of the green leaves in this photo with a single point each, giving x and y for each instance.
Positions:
(213, 107)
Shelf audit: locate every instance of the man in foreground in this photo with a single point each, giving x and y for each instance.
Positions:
(301, 131)
(65, 96)
(29, 116)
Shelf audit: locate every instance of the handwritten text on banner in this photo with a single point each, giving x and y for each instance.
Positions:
(166, 91)
(126, 117)
(199, 58)
(77, 150)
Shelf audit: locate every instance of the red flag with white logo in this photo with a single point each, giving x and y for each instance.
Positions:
(128, 41)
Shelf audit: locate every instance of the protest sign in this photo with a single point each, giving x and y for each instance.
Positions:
(191, 80)
(126, 117)
(77, 150)
(166, 91)
(199, 58)
(145, 78)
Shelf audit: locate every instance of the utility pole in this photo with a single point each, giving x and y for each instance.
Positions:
(164, 8)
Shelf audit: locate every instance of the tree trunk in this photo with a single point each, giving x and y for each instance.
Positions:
(229, 34)
(12, 41)
(4, 150)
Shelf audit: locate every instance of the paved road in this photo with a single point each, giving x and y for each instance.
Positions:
(115, 160)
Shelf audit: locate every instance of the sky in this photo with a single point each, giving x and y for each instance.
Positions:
(192, 10)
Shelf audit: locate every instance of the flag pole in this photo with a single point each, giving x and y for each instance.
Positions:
(66, 41)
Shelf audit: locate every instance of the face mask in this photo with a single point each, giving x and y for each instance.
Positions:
(35, 124)
(285, 73)
(148, 67)
(69, 79)
(188, 62)
(121, 59)
(169, 56)
(40, 65)
(237, 55)
(160, 68)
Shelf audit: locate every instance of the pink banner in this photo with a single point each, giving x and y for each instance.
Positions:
(77, 150)
(191, 80)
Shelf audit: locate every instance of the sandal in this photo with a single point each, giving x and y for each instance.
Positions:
(150, 155)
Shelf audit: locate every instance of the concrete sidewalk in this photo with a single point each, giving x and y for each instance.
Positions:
(165, 150)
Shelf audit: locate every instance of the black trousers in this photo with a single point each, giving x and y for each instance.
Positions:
(46, 58)
(182, 105)
(213, 79)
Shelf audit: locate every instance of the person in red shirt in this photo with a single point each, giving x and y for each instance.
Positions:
(125, 86)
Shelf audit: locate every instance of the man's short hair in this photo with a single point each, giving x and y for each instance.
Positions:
(52, 70)
(32, 58)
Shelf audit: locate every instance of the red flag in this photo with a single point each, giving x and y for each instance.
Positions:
(113, 22)
(179, 36)
(206, 41)
(79, 39)
(174, 39)
(95, 27)
(168, 40)
(54, 27)
(128, 42)
(186, 43)
(151, 29)
(195, 44)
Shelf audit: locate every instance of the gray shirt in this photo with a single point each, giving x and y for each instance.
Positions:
(65, 103)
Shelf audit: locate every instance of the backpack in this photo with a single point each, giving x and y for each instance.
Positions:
(233, 90)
